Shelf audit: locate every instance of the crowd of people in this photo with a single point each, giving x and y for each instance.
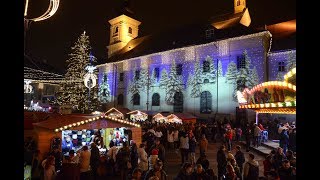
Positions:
(148, 159)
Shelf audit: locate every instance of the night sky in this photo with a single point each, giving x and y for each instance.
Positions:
(51, 39)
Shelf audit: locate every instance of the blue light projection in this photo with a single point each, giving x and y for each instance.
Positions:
(226, 52)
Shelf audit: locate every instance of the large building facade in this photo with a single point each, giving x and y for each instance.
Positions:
(201, 79)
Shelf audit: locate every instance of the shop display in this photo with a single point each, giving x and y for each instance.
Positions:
(75, 140)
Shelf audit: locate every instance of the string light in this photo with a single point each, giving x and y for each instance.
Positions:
(53, 7)
(95, 118)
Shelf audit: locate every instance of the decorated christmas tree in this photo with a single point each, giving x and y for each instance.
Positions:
(291, 62)
(220, 74)
(195, 81)
(174, 84)
(104, 90)
(73, 91)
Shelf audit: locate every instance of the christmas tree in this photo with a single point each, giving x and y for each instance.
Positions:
(255, 77)
(104, 90)
(153, 78)
(220, 74)
(291, 62)
(164, 79)
(211, 75)
(244, 74)
(174, 84)
(134, 85)
(196, 81)
(73, 91)
(231, 78)
(280, 76)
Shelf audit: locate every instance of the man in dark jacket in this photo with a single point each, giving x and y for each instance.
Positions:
(185, 172)
(222, 161)
(239, 156)
(286, 171)
(94, 159)
(200, 173)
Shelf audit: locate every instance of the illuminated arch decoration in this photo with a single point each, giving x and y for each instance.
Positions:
(52, 9)
(290, 77)
(95, 119)
(90, 79)
(278, 97)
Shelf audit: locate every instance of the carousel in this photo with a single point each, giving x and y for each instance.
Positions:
(274, 97)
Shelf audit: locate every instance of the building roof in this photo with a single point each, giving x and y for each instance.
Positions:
(176, 38)
(232, 19)
(38, 70)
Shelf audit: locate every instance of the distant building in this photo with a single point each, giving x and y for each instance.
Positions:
(44, 81)
(196, 69)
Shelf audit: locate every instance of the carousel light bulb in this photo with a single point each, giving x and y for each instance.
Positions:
(74, 124)
(56, 130)
(280, 104)
(61, 129)
(86, 121)
(65, 127)
(82, 122)
(78, 123)
(98, 117)
(90, 120)
(70, 125)
(93, 119)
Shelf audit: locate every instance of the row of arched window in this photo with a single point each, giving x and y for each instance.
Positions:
(205, 101)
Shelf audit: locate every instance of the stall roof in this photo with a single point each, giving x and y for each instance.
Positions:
(182, 116)
(123, 111)
(72, 120)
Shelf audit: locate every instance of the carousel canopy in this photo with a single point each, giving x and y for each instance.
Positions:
(278, 97)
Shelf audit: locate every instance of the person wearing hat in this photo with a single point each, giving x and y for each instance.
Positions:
(153, 158)
(156, 171)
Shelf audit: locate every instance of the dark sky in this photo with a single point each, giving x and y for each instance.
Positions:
(52, 39)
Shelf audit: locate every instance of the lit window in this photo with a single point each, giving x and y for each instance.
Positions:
(130, 30)
(238, 2)
(115, 32)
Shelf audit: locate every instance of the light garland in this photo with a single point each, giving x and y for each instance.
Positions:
(163, 53)
(269, 105)
(291, 73)
(82, 122)
(280, 84)
(278, 53)
(277, 111)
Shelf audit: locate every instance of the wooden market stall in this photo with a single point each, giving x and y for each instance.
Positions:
(55, 127)
(137, 116)
(117, 112)
(159, 118)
